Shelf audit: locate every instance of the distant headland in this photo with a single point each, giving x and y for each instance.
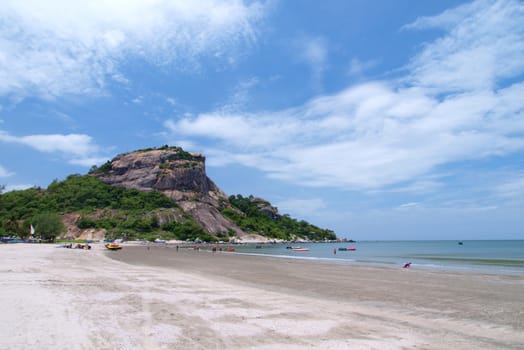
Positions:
(155, 193)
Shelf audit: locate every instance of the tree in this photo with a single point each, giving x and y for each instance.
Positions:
(48, 226)
(12, 226)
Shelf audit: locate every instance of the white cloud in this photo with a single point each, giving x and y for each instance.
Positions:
(9, 188)
(314, 52)
(409, 206)
(68, 47)
(420, 185)
(512, 188)
(358, 68)
(138, 100)
(383, 133)
(484, 44)
(240, 95)
(4, 172)
(364, 137)
(78, 148)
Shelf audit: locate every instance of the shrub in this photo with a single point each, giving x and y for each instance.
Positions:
(84, 223)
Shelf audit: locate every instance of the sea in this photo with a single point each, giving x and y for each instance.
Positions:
(486, 256)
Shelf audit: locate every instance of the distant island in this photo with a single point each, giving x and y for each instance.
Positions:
(155, 193)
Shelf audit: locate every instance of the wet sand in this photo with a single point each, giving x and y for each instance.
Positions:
(159, 298)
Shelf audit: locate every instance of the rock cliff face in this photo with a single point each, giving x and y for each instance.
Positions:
(179, 175)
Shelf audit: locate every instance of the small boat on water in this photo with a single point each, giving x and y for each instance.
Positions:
(299, 249)
(113, 246)
(347, 249)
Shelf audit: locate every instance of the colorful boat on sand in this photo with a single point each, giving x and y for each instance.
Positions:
(113, 246)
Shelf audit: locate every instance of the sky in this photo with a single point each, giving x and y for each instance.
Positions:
(378, 119)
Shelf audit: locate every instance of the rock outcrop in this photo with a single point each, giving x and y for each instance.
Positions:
(265, 207)
(178, 174)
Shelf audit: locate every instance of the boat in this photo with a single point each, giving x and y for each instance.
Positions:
(113, 246)
(347, 249)
(299, 249)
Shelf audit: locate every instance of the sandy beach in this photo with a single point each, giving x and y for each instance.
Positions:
(158, 298)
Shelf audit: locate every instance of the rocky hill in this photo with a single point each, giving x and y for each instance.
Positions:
(147, 194)
(178, 174)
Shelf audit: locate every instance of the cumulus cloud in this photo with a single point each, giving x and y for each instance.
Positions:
(455, 103)
(79, 149)
(60, 47)
(367, 136)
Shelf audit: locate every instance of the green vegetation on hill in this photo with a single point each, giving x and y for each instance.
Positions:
(245, 212)
(122, 212)
(79, 194)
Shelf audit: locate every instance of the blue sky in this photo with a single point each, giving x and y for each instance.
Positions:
(378, 119)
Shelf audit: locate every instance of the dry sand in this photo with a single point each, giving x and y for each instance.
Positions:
(158, 298)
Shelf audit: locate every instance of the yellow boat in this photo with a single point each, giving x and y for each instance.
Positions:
(113, 246)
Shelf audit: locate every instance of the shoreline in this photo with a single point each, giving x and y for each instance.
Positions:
(446, 263)
(484, 269)
(163, 299)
